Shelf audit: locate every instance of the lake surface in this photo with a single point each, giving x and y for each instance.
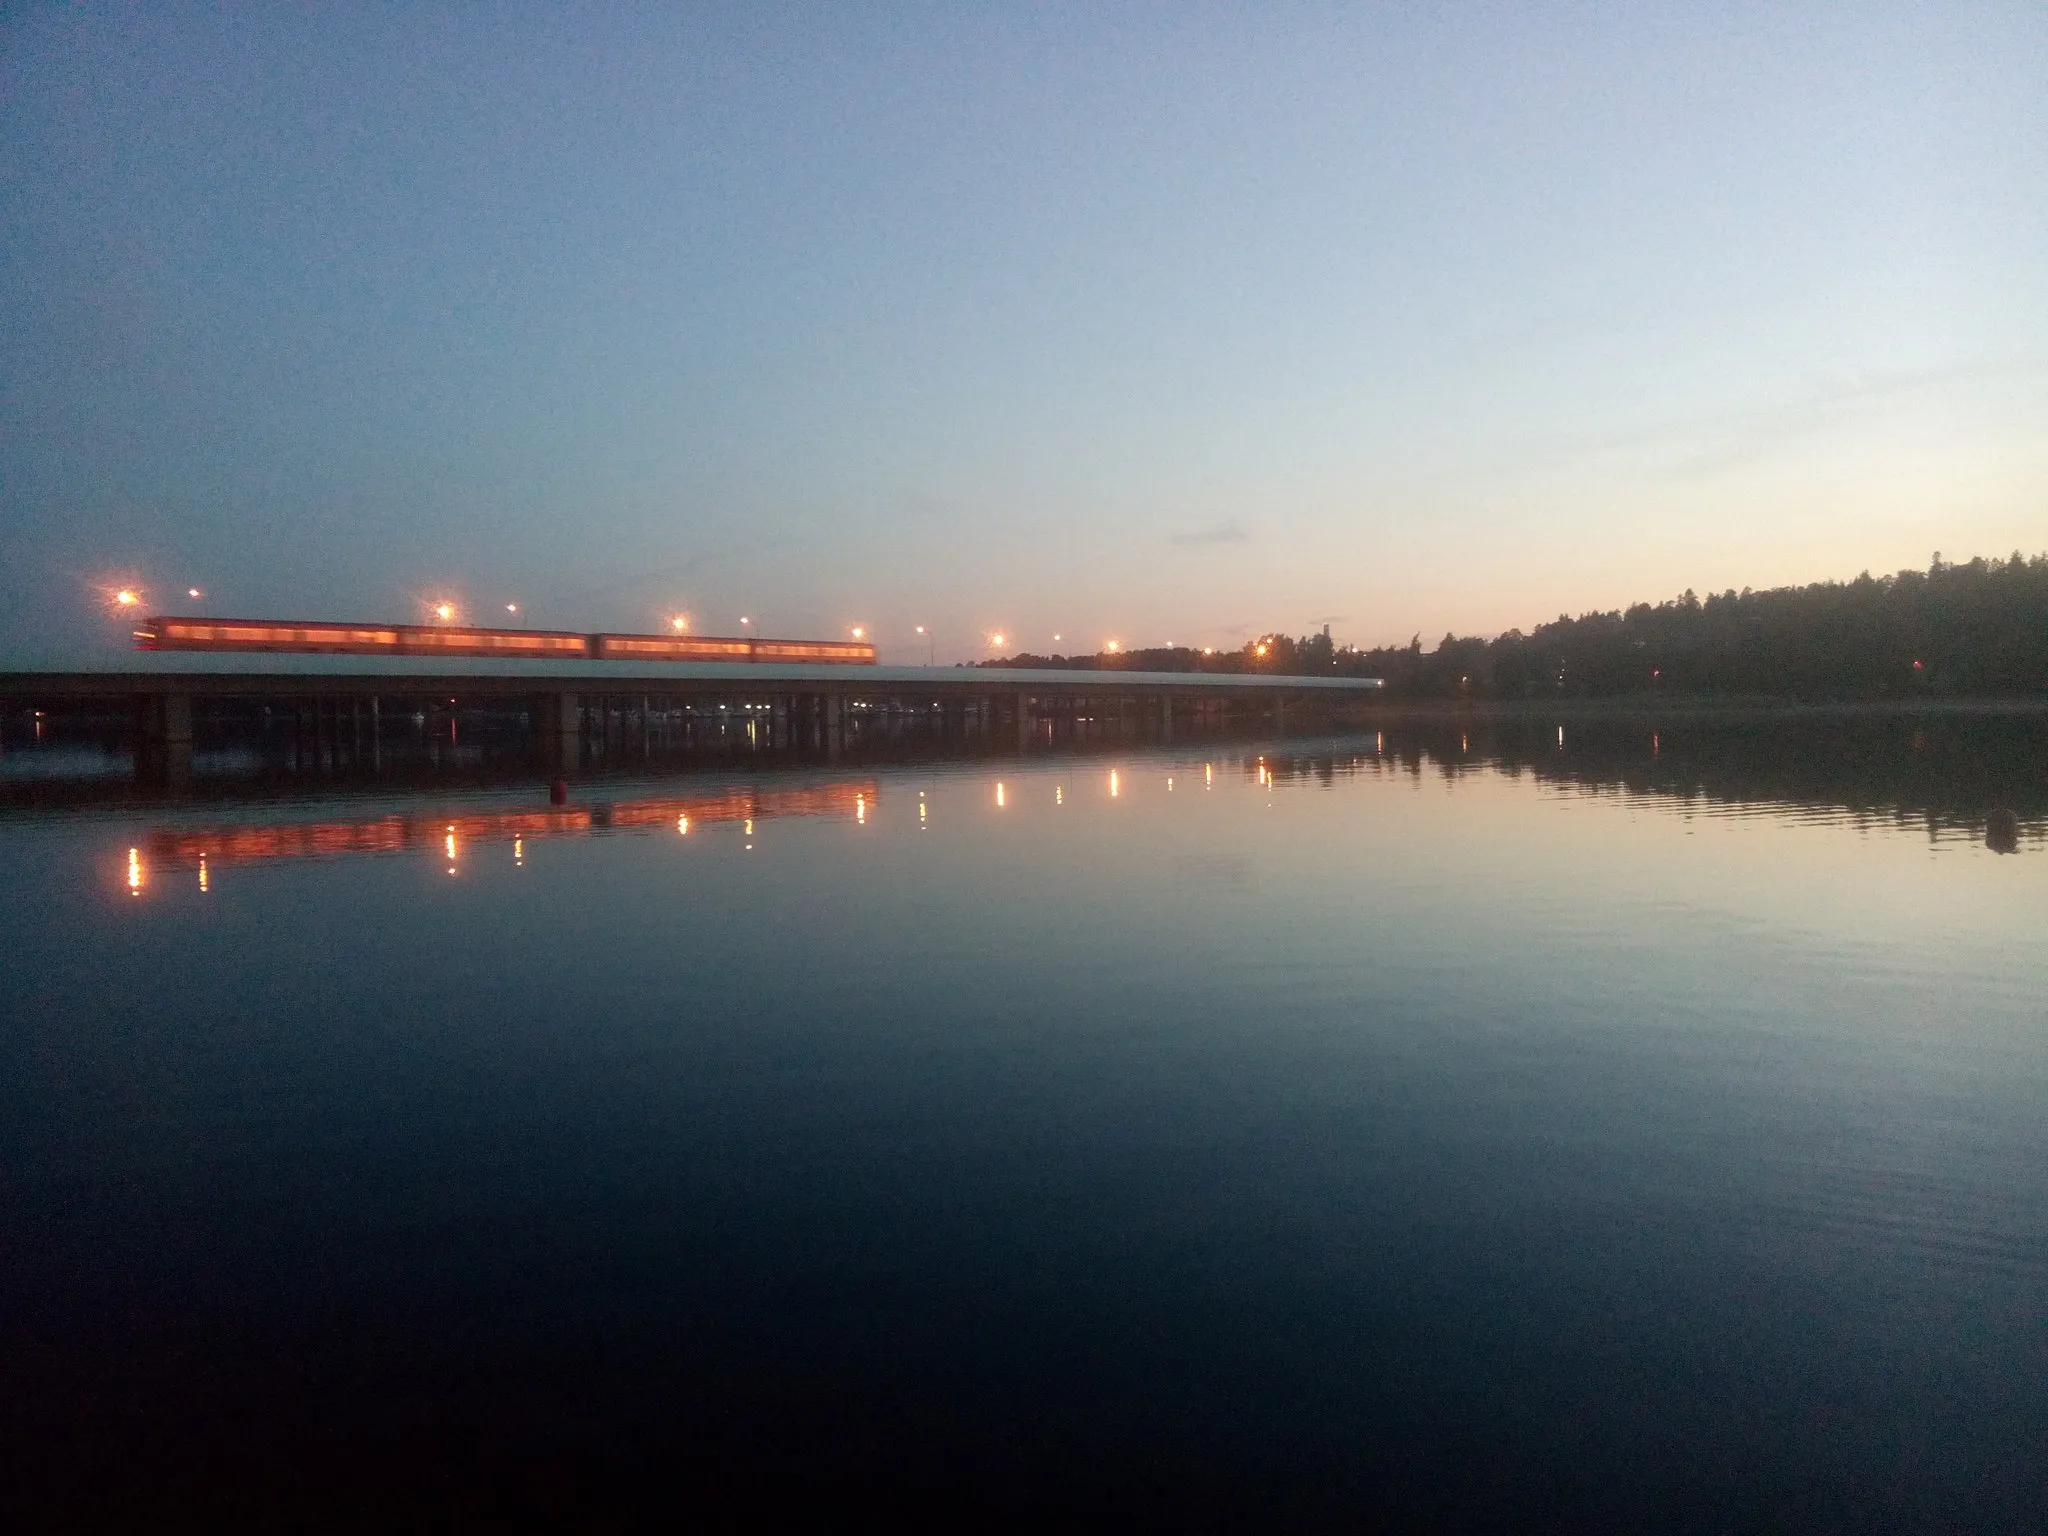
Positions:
(1636, 1127)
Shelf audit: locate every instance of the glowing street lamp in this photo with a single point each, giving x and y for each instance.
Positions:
(511, 607)
(194, 592)
(127, 597)
(859, 633)
(445, 612)
(681, 622)
(995, 641)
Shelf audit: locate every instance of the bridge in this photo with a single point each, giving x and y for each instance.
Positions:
(576, 710)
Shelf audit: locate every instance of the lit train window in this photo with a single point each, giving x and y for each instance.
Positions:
(693, 648)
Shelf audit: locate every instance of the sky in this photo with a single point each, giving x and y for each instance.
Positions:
(1173, 323)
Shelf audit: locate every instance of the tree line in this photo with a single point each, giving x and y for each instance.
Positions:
(1978, 629)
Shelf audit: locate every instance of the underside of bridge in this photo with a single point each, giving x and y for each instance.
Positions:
(172, 725)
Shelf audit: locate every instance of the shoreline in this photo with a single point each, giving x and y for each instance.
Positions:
(1641, 708)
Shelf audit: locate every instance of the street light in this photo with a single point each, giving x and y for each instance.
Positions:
(929, 644)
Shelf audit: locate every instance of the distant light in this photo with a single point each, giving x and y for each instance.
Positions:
(745, 620)
(128, 597)
(1058, 637)
(1059, 795)
(1113, 789)
(511, 607)
(1919, 666)
(194, 592)
(860, 809)
(995, 639)
(1259, 649)
(134, 871)
(444, 611)
(920, 629)
(202, 873)
(999, 797)
(679, 623)
(682, 826)
(859, 633)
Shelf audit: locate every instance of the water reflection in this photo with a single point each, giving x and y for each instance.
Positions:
(1989, 789)
(1983, 780)
(1423, 1099)
(191, 848)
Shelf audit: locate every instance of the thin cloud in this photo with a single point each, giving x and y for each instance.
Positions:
(1219, 533)
(1708, 444)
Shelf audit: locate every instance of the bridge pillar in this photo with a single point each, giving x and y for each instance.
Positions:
(1023, 722)
(163, 738)
(557, 728)
(1166, 717)
(835, 725)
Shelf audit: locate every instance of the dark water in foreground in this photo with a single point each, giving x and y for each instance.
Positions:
(1360, 1128)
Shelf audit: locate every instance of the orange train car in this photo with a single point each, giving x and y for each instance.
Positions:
(297, 637)
(728, 648)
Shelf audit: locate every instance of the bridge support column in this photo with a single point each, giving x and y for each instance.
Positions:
(1166, 717)
(835, 726)
(163, 738)
(1023, 722)
(557, 729)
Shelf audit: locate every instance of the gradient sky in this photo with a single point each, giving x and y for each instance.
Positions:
(1154, 323)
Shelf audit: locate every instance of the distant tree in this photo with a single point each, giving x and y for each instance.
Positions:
(1976, 629)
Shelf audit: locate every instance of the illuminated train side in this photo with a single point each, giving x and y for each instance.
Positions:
(291, 637)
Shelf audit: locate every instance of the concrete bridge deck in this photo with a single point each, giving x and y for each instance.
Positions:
(222, 675)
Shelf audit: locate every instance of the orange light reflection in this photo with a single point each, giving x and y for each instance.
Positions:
(189, 848)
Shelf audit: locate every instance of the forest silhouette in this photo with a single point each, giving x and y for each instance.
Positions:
(1973, 630)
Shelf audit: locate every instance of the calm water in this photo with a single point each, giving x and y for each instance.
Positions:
(1644, 1132)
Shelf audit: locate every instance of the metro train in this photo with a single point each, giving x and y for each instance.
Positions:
(295, 637)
